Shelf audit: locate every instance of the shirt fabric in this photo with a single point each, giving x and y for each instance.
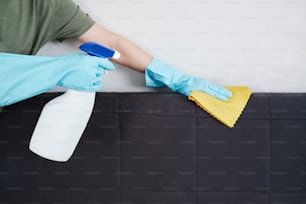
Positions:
(27, 25)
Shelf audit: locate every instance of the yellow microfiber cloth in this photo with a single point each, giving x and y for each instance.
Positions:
(228, 111)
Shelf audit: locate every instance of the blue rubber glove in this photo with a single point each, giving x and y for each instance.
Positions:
(158, 74)
(24, 76)
(85, 73)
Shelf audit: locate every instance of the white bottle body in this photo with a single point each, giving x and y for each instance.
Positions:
(61, 125)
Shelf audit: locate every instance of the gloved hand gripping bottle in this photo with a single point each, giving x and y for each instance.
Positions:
(64, 119)
(25, 76)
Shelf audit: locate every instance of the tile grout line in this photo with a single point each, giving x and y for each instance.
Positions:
(196, 155)
(119, 136)
(270, 151)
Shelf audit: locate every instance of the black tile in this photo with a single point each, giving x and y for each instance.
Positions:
(18, 118)
(80, 196)
(288, 198)
(141, 103)
(231, 198)
(18, 165)
(16, 194)
(17, 123)
(95, 161)
(51, 195)
(257, 107)
(157, 197)
(157, 152)
(153, 103)
(232, 159)
(288, 151)
(106, 102)
(177, 104)
(19, 169)
(164, 156)
(288, 106)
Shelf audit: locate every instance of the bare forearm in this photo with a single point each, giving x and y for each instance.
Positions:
(131, 55)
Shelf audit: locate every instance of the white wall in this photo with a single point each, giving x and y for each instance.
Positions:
(258, 43)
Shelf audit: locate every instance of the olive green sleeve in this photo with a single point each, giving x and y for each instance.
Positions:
(70, 21)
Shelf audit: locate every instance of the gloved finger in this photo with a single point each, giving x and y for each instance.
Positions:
(222, 91)
(219, 92)
(97, 85)
(105, 64)
(217, 95)
(99, 74)
(221, 97)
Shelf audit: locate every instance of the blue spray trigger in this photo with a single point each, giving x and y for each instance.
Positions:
(98, 50)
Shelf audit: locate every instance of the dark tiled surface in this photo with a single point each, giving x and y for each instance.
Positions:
(288, 166)
(95, 162)
(161, 148)
(52, 195)
(16, 126)
(288, 106)
(231, 198)
(157, 197)
(157, 152)
(233, 159)
(154, 103)
(257, 107)
(291, 198)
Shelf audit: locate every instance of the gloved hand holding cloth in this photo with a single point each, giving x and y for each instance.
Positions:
(25, 76)
(159, 74)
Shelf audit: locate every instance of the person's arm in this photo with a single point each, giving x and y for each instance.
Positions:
(131, 55)
(157, 73)
(25, 76)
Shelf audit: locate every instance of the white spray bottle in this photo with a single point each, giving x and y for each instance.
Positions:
(64, 118)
